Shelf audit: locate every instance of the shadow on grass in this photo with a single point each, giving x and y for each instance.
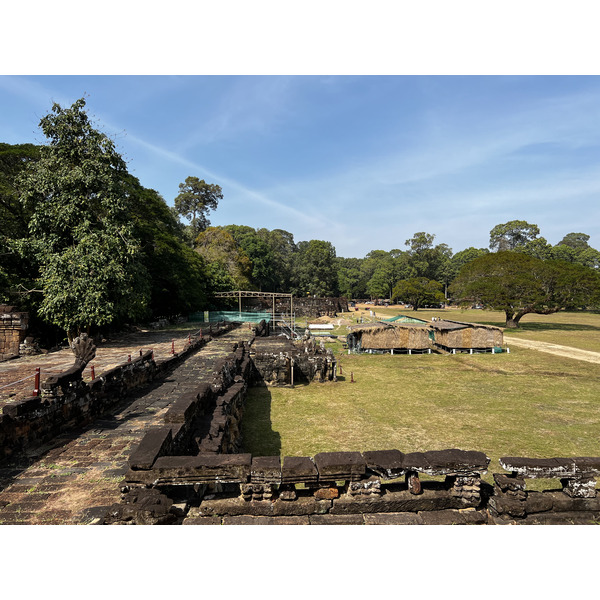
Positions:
(258, 437)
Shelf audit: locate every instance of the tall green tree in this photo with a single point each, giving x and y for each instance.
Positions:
(260, 252)
(80, 234)
(507, 236)
(16, 273)
(228, 265)
(519, 284)
(575, 240)
(351, 282)
(178, 276)
(316, 269)
(195, 199)
(427, 260)
(418, 291)
(283, 251)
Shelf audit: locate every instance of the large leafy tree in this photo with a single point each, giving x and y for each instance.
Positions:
(80, 234)
(427, 260)
(418, 291)
(179, 277)
(16, 273)
(316, 269)
(519, 284)
(351, 282)
(228, 265)
(260, 252)
(283, 250)
(507, 236)
(195, 199)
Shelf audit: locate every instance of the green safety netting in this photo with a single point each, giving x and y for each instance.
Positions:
(214, 316)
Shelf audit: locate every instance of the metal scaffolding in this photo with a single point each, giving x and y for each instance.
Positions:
(285, 321)
(239, 294)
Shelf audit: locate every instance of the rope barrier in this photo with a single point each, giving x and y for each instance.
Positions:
(13, 383)
(60, 368)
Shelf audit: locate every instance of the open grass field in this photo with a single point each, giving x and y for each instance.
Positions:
(526, 403)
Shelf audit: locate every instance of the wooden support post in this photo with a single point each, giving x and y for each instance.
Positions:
(93, 372)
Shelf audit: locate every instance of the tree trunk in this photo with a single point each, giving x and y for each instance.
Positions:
(512, 319)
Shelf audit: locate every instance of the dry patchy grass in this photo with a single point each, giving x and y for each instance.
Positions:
(525, 403)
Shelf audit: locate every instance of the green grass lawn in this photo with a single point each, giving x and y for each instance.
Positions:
(526, 403)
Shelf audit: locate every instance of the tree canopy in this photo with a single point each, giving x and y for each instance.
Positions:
(419, 292)
(195, 199)
(507, 236)
(80, 235)
(519, 284)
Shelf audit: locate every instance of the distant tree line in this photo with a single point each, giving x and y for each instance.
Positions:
(84, 244)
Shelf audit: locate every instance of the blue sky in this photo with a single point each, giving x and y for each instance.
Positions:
(361, 161)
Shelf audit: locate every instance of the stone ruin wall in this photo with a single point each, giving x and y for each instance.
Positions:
(67, 401)
(13, 330)
(185, 473)
(193, 469)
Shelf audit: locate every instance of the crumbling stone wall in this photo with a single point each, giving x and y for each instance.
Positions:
(13, 330)
(279, 361)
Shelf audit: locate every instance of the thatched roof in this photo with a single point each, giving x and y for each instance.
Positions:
(447, 325)
(385, 336)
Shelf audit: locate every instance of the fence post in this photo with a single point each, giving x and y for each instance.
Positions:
(129, 358)
(36, 390)
(173, 347)
(93, 372)
(351, 376)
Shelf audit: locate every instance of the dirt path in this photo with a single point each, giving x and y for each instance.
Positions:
(568, 351)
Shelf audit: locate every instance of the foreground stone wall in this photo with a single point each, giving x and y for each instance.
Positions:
(186, 473)
(347, 488)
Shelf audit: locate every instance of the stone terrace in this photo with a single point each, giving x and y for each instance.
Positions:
(83, 469)
(108, 355)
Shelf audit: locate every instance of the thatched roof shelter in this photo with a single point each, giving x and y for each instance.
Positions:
(385, 336)
(455, 334)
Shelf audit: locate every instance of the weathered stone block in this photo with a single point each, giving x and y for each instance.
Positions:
(203, 468)
(398, 501)
(537, 502)
(155, 443)
(539, 467)
(326, 493)
(298, 469)
(257, 520)
(400, 518)
(447, 462)
(563, 503)
(579, 487)
(507, 483)
(266, 469)
(334, 466)
(388, 464)
(337, 519)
